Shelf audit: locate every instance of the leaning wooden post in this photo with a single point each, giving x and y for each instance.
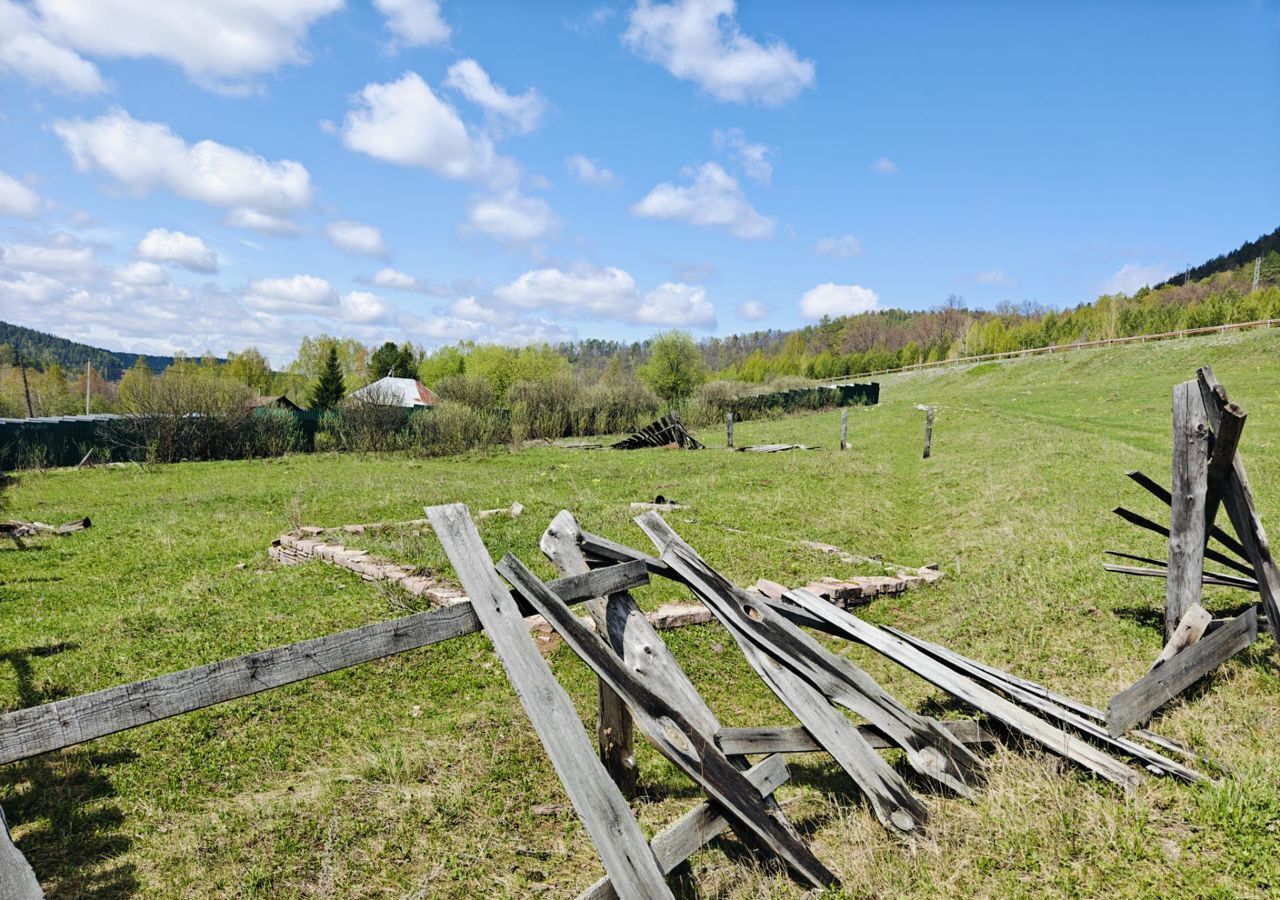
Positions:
(844, 428)
(1187, 506)
(728, 430)
(928, 427)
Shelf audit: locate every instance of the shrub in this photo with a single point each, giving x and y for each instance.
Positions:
(471, 390)
(544, 409)
(615, 405)
(452, 427)
(370, 423)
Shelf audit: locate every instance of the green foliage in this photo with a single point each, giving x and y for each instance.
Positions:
(313, 356)
(329, 388)
(398, 362)
(675, 367)
(445, 362)
(251, 368)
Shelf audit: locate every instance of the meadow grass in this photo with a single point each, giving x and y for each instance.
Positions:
(419, 775)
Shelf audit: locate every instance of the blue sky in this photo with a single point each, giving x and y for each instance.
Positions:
(217, 174)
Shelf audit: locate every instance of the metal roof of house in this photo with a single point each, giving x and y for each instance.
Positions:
(398, 391)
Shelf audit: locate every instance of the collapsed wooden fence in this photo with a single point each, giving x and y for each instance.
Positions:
(642, 688)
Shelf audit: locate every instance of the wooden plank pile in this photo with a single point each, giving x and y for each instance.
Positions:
(642, 687)
(668, 431)
(1208, 476)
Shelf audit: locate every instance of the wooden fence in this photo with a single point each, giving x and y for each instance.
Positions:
(1062, 348)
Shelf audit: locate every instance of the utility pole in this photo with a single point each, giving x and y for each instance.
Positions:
(1257, 272)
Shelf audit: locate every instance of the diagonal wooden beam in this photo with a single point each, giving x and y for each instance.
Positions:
(1135, 704)
(1159, 491)
(1155, 527)
(603, 810)
(671, 733)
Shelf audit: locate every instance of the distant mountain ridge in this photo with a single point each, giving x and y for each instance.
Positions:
(42, 349)
(1245, 253)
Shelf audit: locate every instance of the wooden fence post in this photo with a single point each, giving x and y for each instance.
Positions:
(928, 428)
(728, 428)
(1187, 505)
(844, 429)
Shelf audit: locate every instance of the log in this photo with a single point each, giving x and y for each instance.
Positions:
(696, 828)
(1190, 629)
(608, 820)
(674, 735)
(1136, 703)
(798, 740)
(1187, 521)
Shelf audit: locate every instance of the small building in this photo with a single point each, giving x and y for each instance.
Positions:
(281, 402)
(406, 392)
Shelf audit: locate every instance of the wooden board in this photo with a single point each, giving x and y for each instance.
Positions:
(1135, 704)
(1155, 527)
(1186, 523)
(1237, 499)
(17, 880)
(696, 828)
(782, 739)
(1160, 493)
(1190, 629)
(63, 723)
(608, 820)
(678, 739)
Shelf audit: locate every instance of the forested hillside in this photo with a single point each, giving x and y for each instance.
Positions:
(42, 350)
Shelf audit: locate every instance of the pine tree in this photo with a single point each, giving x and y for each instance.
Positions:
(329, 389)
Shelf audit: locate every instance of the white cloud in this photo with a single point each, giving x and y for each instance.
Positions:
(140, 274)
(356, 237)
(699, 41)
(885, 166)
(415, 23)
(713, 199)
(261, 222)
(301, 294)
(214, 41)
(844, 247)
(16, 199)
(518, 114)
(754, 158)
(1132, 275)
(590, 173)
(59, 258)
(145, 156)
(188, 251)
(753, 310)
(394, 279)
(406, 123)
(470, 308)
(993, 276)
(512, 218)
(362, 306)
(837, 300)
(26, 51)
(677, 304)
(609, 293)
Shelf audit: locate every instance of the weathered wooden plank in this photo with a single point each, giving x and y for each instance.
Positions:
(798, 740)
(696, 828)
(948, 679)
(1136, 703)
(930, 750)
(892, 802)
(1212, 578)
(1158, 491)
(63, 723)
(675, 736)
(17, 880)
(633, 637)
(1237, 499)
(1143, 522)
(1226, 438)
(1156, 762)
(1186, 521)
(1190, 629)
(40, 729)
(603, 810)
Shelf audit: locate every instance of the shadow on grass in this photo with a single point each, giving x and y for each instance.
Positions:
(1146, 616)
(61, 804)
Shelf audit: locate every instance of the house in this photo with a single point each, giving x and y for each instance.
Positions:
(406, 392)
(281, 402)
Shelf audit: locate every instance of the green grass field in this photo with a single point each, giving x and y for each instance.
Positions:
(417, 776)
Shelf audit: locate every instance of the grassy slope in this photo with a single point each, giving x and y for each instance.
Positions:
(419, 773)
